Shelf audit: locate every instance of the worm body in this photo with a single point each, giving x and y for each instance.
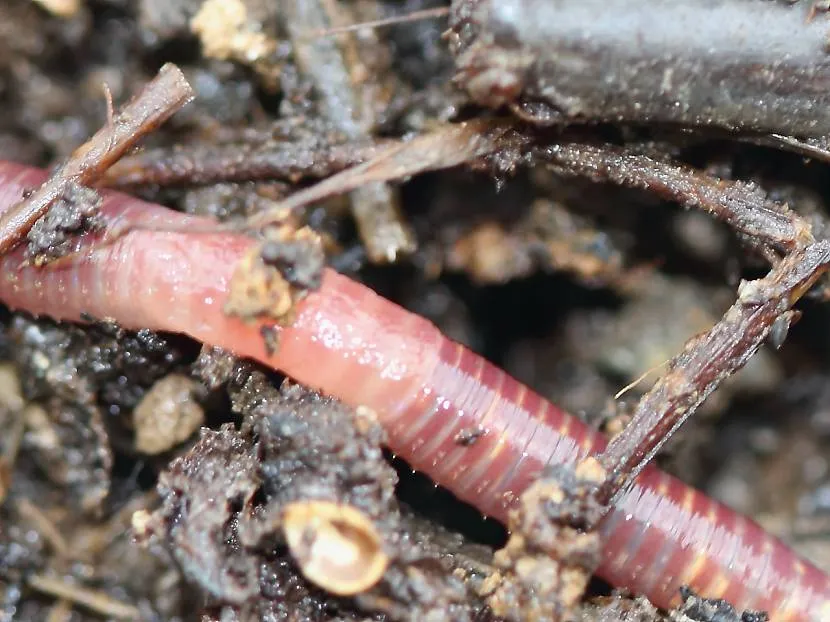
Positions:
(432, 396)
(734, 64)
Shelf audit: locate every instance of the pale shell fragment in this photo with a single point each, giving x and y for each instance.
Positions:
(335, 545)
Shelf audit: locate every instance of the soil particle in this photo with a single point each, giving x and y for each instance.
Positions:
(712, 610)
(61, 8)
(70, 444)
(274, 276)
(20, 550)
(545, 567)
(217, 367)
(243, 31)
(299, 259)
(621, 608)
(167, 415)
(74, 213)
(225, 33)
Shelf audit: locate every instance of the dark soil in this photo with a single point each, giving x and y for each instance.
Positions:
(576, 288)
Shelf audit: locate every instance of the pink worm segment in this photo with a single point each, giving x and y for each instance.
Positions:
(428, 391)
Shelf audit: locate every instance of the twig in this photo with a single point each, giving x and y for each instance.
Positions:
(159, 99)
(470, 142)
(763, 307)
(817, 148)
(210, 164)
(446, 147)
(91, 599)
(34, 516)
(743, 206)
(762, 311)
(414, 16)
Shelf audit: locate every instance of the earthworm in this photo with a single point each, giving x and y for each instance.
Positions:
(431, 395)
(748, 65)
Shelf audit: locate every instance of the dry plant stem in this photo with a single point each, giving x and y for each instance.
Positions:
(817, 148)
(414, 16)
(160, 98)
(446, 147)
(743, 206)
(35, 517)
(9, 456)
(762, 305)
(210, 164)
(358, 163)
(707, 360)
(91, 599)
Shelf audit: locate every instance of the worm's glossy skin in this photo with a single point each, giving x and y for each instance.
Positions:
(429, 393)
(735, 64)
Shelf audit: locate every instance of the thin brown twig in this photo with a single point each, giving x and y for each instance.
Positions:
(34, 516)
(817, 148)
(450, 145)
(763, 310)
(414, 16)
(159, 99)
(446, 147)
(745, 207)
(91, 599)
(210, 164)
(708, 359)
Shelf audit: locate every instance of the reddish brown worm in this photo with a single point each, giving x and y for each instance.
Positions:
(429, 393)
